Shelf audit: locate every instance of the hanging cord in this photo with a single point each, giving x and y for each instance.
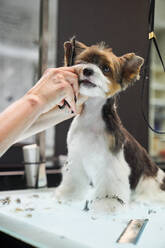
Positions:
(152, 37)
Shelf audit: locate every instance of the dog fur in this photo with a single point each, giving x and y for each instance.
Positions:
(106, 165)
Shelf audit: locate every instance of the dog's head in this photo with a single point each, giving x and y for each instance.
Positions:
(102, 73)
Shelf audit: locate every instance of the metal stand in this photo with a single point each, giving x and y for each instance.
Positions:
(43, 62)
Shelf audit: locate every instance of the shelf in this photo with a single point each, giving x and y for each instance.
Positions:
(157, 102)
(158, 86)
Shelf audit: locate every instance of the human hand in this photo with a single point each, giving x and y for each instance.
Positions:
(80, 103)
(55, 86)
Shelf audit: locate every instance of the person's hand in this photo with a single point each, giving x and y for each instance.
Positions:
(55, 86)
(80, 103)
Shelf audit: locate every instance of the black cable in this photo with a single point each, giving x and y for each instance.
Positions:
(151, 16)
(147, 60)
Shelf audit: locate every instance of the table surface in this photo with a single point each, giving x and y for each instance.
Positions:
(35, 217)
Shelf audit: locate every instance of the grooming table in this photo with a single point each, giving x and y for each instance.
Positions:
(35, 217)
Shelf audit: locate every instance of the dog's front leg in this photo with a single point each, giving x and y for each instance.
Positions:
(74, 182)
(109, 203)
(110, 193)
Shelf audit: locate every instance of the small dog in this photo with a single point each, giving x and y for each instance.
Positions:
(106, 165)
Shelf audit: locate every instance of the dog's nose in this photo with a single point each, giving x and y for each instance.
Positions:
(88, 72)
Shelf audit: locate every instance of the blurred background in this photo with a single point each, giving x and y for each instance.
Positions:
(157, 89)
(123, 25)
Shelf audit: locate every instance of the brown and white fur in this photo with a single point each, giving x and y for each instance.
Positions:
(103, 158)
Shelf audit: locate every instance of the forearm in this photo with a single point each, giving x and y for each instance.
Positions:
(52, 118)
(46, 120)
(17, 118)
(55, 86)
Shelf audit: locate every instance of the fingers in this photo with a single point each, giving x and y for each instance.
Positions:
(65, 73)
(67, 68)
(81, 99)
(65, 80)
(79, 109)
(72, 69)
(65, 92)
(59, 69)
(72, 79)
(73, 91)
(70, 98)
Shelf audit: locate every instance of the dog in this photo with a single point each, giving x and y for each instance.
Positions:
(106, 166)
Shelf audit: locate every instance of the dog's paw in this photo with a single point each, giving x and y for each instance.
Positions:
(66, 194)
(108, 205)
(63, 195)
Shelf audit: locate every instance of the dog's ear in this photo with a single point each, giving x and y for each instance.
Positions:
(131, 65)
(79, 48)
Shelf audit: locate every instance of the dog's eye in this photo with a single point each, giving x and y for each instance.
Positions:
(105, 68)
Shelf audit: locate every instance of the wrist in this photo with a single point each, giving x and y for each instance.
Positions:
(34, 102)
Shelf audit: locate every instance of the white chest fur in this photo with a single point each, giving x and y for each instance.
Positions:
(88, 147)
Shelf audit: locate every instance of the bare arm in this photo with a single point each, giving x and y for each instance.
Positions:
(45, 121)
(16, 119)
(55, 86)
(51, 118)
